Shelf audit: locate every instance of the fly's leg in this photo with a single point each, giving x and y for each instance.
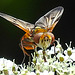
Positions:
(27, 44)
(44, 56)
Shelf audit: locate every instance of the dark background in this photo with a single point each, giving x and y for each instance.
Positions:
(31, 11)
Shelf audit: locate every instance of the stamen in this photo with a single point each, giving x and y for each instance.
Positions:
(66, 45)
(70, 43)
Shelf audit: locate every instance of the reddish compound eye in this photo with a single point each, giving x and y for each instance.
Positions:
(37, 37)
(53, 38)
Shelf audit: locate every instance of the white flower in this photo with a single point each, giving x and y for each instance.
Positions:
(37, 72)
(43, 63)
(61, 57)
(40, 52)
(70, 53)
(51, 73)
(31, 73)
(6, 66)
(51, 51)
(44, 73)
(73, 55)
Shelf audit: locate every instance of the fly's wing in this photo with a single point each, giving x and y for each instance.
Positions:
(25, 26)
(49, 20)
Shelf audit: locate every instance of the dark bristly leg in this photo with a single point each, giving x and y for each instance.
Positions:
(54, 50)
(44, 56)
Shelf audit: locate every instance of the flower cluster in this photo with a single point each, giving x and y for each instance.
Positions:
(8, 67)
(54, 61)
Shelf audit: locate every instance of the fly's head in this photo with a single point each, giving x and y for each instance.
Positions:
(44, 40)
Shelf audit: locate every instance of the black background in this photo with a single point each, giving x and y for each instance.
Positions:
(31, 11)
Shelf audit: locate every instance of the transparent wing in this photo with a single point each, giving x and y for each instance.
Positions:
(25, 26)
(50, 19)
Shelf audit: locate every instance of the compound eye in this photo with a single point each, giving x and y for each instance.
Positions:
(37, 37)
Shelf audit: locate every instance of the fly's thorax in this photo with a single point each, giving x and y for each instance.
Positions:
(44, 40)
